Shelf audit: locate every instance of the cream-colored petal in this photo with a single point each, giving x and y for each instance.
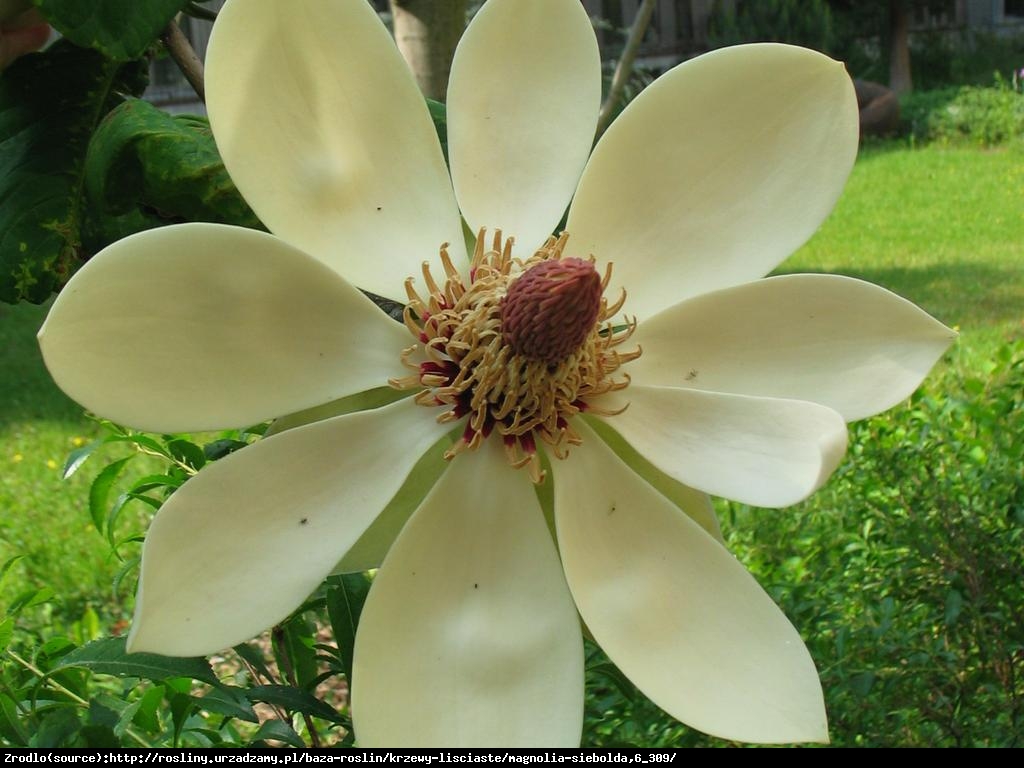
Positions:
(844, 343)
(324, 131)
(242, 543)
(373, 546)
(469, 636)
(690, 501)
(676, 612)
(757, 450)
(717, 172)
(205, 326)
(523, 100)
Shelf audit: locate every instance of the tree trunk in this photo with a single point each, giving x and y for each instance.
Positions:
(427, 32)
(899, 47)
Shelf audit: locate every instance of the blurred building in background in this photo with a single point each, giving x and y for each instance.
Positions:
(679, 29)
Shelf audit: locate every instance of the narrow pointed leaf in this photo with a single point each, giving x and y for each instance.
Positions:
(107, 656)
(345, 598)
(293, 700)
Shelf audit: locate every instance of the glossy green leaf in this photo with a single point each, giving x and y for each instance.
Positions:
(78, 456)
(293, 700)
(121, 29)
(254, 658)
(275, 730)
(50, 103)
(99, 491)
(147, 716)
(218, 449)
(345, 597)
(169, 164)
(187, 453)
(230, 702)
(108, 656)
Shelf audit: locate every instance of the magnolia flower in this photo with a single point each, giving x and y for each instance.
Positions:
(611, 377)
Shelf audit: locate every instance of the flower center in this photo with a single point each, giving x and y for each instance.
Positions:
(550, 309)
(520, 349)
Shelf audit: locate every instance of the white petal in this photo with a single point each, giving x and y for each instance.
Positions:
(717, 172)
(756, 450)
(844, 343)
(242, 543)
(676, 612)
(373, 546)
(690, 501)
(324, 131)
(204, 326)
(523, 101)
(469, 636)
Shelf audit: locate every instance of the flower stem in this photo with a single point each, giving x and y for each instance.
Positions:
(624, 67)
(180, 49)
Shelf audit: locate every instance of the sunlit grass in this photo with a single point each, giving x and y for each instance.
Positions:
(942, 227)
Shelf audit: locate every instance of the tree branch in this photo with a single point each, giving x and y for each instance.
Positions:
(180, 49)
(624, 68)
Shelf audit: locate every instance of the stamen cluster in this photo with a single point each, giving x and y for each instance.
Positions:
(472, 364)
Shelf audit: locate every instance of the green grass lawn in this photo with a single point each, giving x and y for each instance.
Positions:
(43, 517)
(942, 227)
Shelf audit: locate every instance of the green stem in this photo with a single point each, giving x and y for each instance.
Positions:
(70, 694)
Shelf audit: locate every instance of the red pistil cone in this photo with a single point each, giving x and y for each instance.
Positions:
(551, 308)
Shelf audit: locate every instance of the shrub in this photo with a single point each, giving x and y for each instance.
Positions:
(903, 573)
(983, 116)
(800, 22)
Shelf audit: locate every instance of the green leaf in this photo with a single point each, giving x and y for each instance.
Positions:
(141, 155)
(439, 114)
(278, 731)
(99, 492)
(99, 737)
(10, 722)
(147, 716)
(8, 564)
(254, 658)
(187, 453)
(57, 729)
(227, 701)
(295, 639)
(108, 657)
(150, 482)
(78, 456)
(345, 597)
(30, 598)
(50, 103)
(218, 449)
(293, 700)
(121, 29)
(6, 632)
